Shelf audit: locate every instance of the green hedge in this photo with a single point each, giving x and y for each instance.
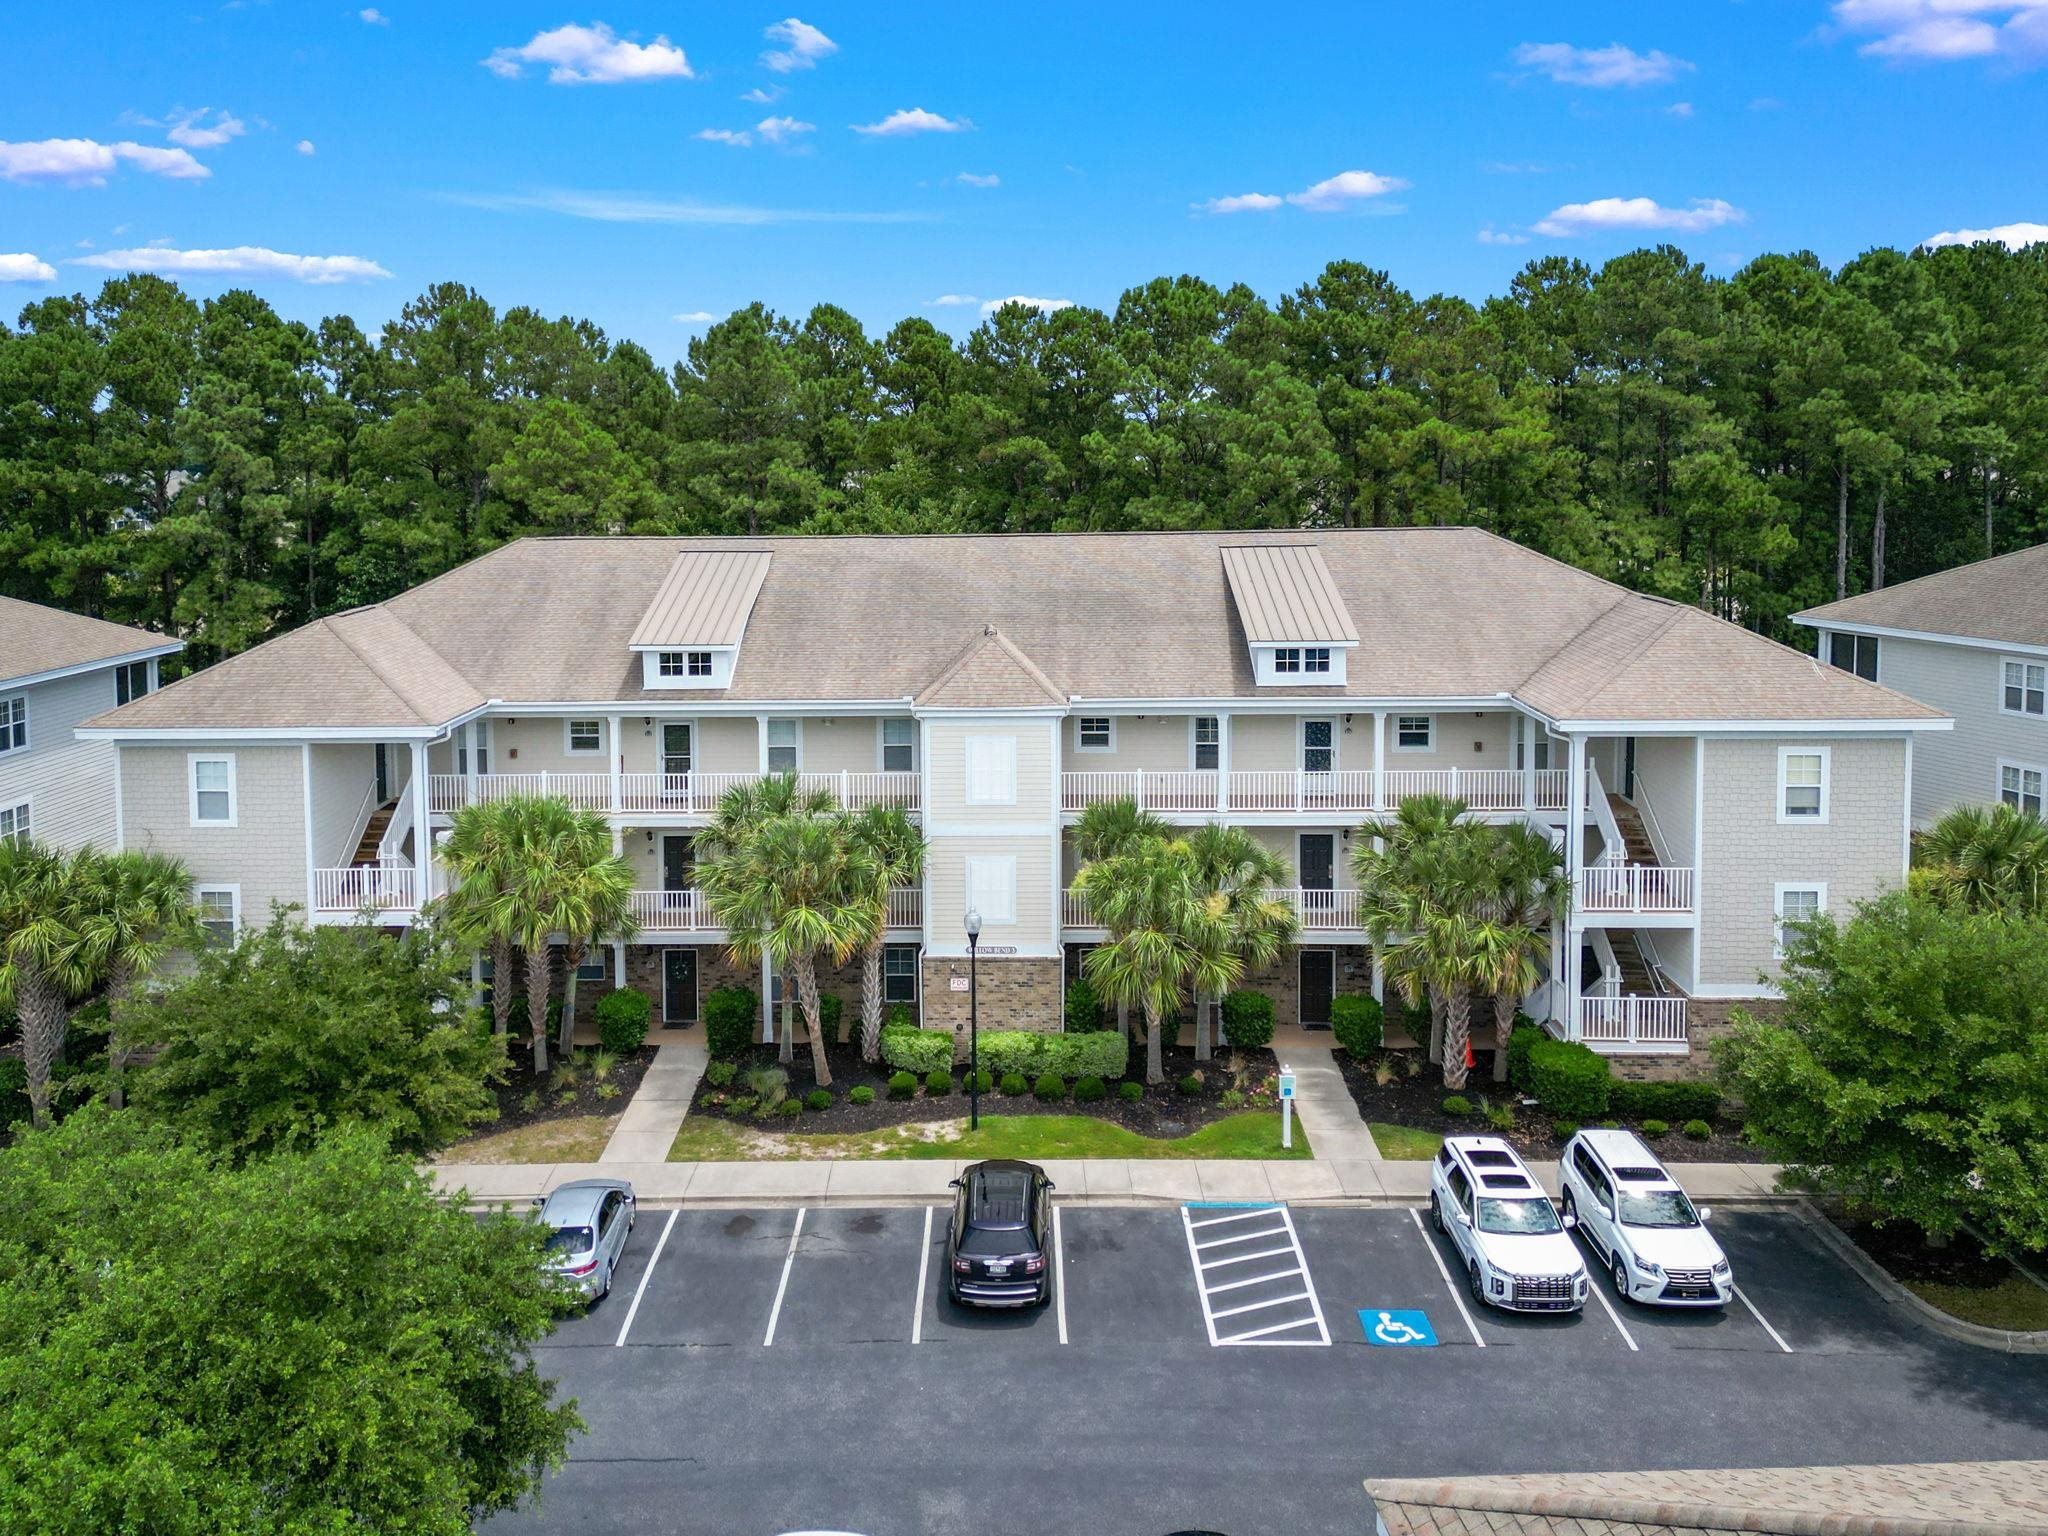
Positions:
(1520, 1044)
(1570, 1079)
(732, 1017)
(1103, 1053)
(1085, 1014)
(622, 1019)
(1248, 1020)
(14, 1104)
(917, 1051)
(1675, 1103)
(829, 1010)
(1359, 1024)
(899, 1016)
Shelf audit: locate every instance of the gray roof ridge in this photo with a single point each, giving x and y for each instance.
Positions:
(1963, 571)
(391, 684)
(1560, 650)
(991, 635)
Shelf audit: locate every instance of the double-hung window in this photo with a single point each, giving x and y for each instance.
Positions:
(219, 911)
(130, 682)
(991, 770)
(2026, 688)
(2019, 786)
(1796, 903)
(899, 973)
(586, 737)
(14, 823)
(594, 966)
(782, 752)
(1094, 733)
(1414, 733)
(1803, 784)
(1318, 746)
(1208, 743)
(14, 723)
(899, 746)
(1854, 653)
(212, 788)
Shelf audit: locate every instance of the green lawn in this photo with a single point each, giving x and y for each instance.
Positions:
(2017, 1304)
(576, 1139)
(1254, 1134)
(1404, 1144)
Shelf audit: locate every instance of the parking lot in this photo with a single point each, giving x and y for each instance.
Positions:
(1203, 1367)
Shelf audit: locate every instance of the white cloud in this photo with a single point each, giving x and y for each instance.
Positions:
(1491, 236)
(1043, 306)
(193, 131)
(237, 261)
(738, 138)
(2011, 236)
(1600, 67)
(305, 147)
(21, 267)
(776, 129)
(762, 95)
(592, 55)
(1679, 109)
(374, 17)
(1607, 213)
(969, 179)
(1243, 202)
(88, 163)
(1343, 189)
(953, 300)
(909, 120)
(694, 317)
(1944, 30)
(632, 208)
(803, 45)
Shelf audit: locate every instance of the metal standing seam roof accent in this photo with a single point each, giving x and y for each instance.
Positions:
(1285, 595)
(704, 599)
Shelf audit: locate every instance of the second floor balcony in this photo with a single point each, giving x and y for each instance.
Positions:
(1319, 911)
(1347, 792)
(683, 795)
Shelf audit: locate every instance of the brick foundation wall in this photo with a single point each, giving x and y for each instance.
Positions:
(1281, 980)
(715, 969)
(1016, 992)
(1706, 1019)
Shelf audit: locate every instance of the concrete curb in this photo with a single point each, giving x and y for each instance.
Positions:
(1837, 1242)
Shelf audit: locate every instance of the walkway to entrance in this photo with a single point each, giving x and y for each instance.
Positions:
(648, 1127)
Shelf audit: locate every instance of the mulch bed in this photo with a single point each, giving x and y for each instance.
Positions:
(1163, 1112)
(528, 1098)
(1901, 1248)
(1417, 1102)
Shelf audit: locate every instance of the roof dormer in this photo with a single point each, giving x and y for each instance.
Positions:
(1294, 619)
(690, 635)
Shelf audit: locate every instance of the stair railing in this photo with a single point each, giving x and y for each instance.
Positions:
(360, 823)
(391, 850)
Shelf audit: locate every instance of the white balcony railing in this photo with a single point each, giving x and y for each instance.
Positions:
(688, 912)
(360, 887)
(1282, 791)
(1636, 888)
(1612, 1020)
(662, 794)
(1319, 911)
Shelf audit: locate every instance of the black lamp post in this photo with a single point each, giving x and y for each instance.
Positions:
(973, 1022)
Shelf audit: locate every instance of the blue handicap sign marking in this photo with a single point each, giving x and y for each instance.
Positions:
(1398, 1330)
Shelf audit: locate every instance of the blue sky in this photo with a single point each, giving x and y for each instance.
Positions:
(890, 157)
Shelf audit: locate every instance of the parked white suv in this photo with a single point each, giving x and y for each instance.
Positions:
(1517, 1253)
(1652, 1239)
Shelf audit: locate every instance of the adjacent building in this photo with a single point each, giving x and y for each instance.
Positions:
(1703, 783)
(56, 670)
(1972, 642)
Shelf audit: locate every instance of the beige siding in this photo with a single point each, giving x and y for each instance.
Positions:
(1959, 767)
(1858, 852)
(1036, 928)
(68, 783)
(1460, 739)
(342, 776)
(845, 743)
(1270, 743)
(1159, 742)
(946, 775)
(539, 744)
(264, 852)
(1665, 782)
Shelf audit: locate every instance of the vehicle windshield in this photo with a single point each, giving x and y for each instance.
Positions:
(994, 1242)
(570, 1240)
(1516, 1216)
(1657, 1208)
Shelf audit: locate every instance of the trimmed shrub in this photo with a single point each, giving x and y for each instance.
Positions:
(1655, 1128)
(1016, 1084)
(1004, 1051)
(917, 1051)
(938, 1082)
(790, 1107)
(1090, 1090)
(830, 1008)
(1248, 1020)
(818, 1099)
(1520, 1044)
(983, 1080)
(1457, 1104)
(1564, 1130)
(1501, 1117)
(732, 1017)
(899, 1016)
(1674, 1102)
(902, 1085)
(1698, 1130)
(1102, 1053)
(1569, 1079)
(1050, 1086)
(862, 1094)
(1359, 1023)
(1130, 1093)
(1084, 1010)
(622, 1018)
(741, 1103)
(1192, 1083)
(719, 1073)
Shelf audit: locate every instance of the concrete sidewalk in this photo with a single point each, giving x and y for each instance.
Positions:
(655, 1112)
(1328, 1112)
(1106, 1180)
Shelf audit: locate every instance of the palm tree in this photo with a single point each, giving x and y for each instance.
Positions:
(1988, 859)
(1232, 865)
(1394, 864)
(477, 857)
(895, 848)
(792, 887)
(1167, 937)
(49, 903)
(147, 912)
(1525, 888)
(1108, 828)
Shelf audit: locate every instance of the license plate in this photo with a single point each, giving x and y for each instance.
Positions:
(1001, 1268)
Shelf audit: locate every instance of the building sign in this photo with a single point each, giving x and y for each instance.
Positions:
(957, 983)
(998, 949)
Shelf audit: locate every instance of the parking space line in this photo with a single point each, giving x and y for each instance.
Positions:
(1599, 1295)
(1244, 1215)
(1059, 1273)
(1776, 1337)
(1238, 1285)
(1315, 1303)
(1456, 1300)
(1245, 1237)
(1243, 1258)
(782, 1285)
(1260, 1306)
(924, 1259)
(1296, 1272)
(1195, 1258)
(648, 1273)
(1258, 1335)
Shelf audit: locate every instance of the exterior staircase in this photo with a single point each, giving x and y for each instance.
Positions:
(373, 834)
(1636, 977)
(1636, 845)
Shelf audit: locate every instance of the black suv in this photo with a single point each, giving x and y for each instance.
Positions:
(1001, 1234)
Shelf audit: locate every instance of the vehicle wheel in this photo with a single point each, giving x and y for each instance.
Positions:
(1436, 1214)
(1569, 1208)
(1619, 1274)
(1478, 1285)
(607, 1286)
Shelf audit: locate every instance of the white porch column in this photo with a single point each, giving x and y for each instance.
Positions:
(761, 727)
(767, 986)
(1379, 761)
(1379, 978)
(1528, 730)
(469, 767)
(619, 963)
(1223, 763)
(422, 827)
(1574, 858)
(618, 754)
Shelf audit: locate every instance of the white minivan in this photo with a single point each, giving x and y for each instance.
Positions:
(1649, 1235)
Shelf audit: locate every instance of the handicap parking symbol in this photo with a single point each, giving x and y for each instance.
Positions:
(1398, 1330)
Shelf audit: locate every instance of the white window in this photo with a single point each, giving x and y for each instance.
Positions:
(673, 663)
(899, 746)
(130, 682)
(1414, 733)
(991, 771)
(586, 737)
(992, 888)
(1208, 742)
(1094, 733)
(782, 750)
(899, 973)
(595, 966)
(14, 823)
(1854, 653)
(14, 723)
(213, 788)
(1318, 746)
(699, 664)
(1315, 658)
(220, 911)
(2026, 688)
(1288, 659)
(1795, 903)
(2019, 786)
(1803, 784)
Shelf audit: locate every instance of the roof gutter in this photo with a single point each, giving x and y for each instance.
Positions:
(1887, 632)
(124, 658)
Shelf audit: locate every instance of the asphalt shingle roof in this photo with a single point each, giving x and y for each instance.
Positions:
(2004, 599)
(35, 639)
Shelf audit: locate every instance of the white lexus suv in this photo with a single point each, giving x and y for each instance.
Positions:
(1652, 1239)
(1516, 1250)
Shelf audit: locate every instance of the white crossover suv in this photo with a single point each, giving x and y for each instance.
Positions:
(1652, 1239)
(1516, 1250)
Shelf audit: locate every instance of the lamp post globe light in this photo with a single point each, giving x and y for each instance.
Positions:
(973, 1022)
